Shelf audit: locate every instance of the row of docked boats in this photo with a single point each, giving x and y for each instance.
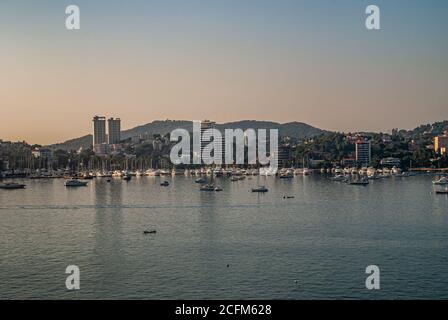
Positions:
(284, 173)
(356, 181)
(212, 187)
(364, 171)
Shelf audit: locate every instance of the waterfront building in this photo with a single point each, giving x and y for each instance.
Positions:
(101, 149)
(390, 162)
(441, 143)
(284, 156)
(99, 130)
(348, 162)
(42, 153)
(206, 125)
(114, 130)
(314, 163)
(363, 152)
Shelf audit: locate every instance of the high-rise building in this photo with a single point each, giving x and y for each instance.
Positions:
(206, 125)
(441, 143)
(99, 130)
(114, 130)
(284, 156)
(363, 152)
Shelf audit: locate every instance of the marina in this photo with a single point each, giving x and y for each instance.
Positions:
(304, 229)
(350, 176)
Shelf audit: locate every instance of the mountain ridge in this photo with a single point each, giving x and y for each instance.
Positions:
(294, 129)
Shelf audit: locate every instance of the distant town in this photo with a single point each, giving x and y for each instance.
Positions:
(424, 148)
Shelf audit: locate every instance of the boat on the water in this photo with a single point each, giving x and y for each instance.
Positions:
(87, 176)
(441, 181)
(12, 186)
(75, 183)
(260, 189)
(126, 177)
(359, 182)
(208, 187)
(200, 180)
(444, 191)
(165, 184)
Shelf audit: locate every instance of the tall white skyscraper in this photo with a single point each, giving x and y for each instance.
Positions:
(114, 130)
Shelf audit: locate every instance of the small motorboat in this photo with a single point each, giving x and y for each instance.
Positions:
(165, 184)
(75, 183)
(12, 186)
(126, 177)
(200, 180)
(442, 181)
(359, 182)
(286, 176)
(218, 189)
(445, 191)
(208, 187)
(260, 189)
(149, 232)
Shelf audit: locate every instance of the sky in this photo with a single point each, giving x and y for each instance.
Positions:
(224, 60)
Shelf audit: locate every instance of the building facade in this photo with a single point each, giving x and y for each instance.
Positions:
(284, 156)
(206, 125)
(42, 153)
(390, 162)
(441, 143)
(114, 130)
(99, 130)
(363, 152)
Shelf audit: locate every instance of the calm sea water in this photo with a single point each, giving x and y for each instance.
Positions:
(316, 245)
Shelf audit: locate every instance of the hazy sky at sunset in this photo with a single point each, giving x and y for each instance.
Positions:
(226, 60)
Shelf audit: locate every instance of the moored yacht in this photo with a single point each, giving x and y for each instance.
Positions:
(12, 185)
(444, 191)
(207, 187)
(359, 182)
(287, 175)
(260, 189)
(200, 180)
(75, 183)
(441, 181)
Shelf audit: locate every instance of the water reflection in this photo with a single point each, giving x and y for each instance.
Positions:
(108, 247)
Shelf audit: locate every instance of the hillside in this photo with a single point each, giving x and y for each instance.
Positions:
(297, 130)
